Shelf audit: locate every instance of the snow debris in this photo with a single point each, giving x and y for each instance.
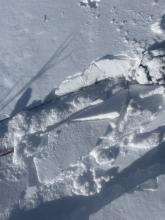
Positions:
(90, 3)
(104, 68)
(146, 69)
(159, 27)
(111, 89)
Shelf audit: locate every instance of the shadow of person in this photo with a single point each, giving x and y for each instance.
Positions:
(54, 60)
(22, 102)
(20, 105)
(150, 165)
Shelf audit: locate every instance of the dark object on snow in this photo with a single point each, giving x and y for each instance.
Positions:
(4, 152)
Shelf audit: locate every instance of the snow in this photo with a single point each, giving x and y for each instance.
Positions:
(103, 68)
(90, 3)
(86, 119)
(111, 115)
(159, 27)
(145, 70)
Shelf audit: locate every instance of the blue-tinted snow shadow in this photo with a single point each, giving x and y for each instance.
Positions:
(113, 104)
(22, 102)
(20, 106)
(162, 22)
(93, 92)
(55, 59)
(151, 165)
(158, 45)
(151, 102)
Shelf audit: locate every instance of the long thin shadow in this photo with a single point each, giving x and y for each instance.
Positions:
(51, 63)
(162, 23)
(151, 165)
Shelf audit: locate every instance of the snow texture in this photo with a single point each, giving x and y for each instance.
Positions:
(92, 145)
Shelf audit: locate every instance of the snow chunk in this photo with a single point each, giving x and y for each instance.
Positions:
(159, 27)
(156, 28)
(110, 115)
(108, 67)
(152, 68)
(90, 3)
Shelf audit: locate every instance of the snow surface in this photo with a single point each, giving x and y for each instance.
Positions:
(89, 140)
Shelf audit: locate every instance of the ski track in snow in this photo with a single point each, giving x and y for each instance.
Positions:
(126, 92)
